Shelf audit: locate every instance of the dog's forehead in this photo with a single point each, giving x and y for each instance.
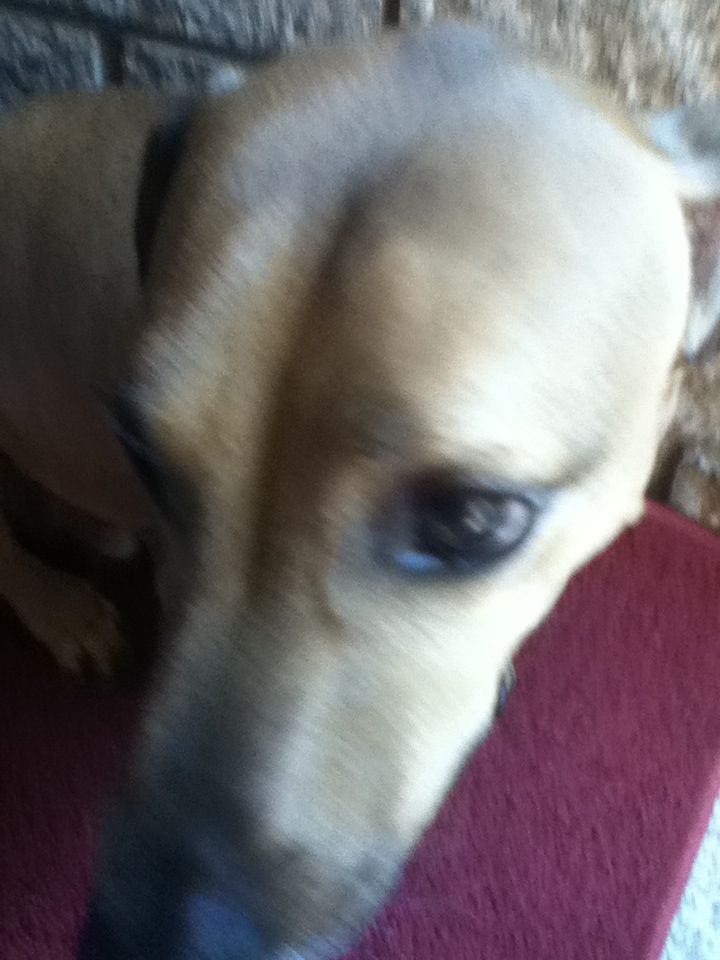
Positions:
(513, 279)
(518, 316)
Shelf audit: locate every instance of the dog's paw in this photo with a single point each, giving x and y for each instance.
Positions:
(77, 625)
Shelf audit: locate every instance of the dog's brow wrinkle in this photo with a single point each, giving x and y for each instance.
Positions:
(378, 425)
(504, 466)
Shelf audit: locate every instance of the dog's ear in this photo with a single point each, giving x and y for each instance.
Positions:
(163, 153)
(690, 138)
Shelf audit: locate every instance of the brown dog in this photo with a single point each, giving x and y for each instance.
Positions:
(401, 367)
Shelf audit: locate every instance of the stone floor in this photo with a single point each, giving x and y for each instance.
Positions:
(695, 932)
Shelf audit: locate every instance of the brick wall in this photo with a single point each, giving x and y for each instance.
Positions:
(650, 51)
(85, 44)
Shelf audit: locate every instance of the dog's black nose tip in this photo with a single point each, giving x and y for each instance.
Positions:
(208, 930)
(155, 898)
(216, 931)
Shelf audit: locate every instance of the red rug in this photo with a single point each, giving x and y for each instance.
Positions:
(569, 837)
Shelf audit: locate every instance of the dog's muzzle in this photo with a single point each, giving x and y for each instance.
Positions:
(206, 930)
(181, 877)
(148, 902)
(161, 894)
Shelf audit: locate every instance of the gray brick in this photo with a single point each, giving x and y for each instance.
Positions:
(251, 27)
(38, 56)
(417, 11)
(147, 63)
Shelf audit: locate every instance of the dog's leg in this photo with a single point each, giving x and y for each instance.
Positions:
(62, 611)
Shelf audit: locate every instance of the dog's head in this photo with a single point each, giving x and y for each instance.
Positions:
(414, 310)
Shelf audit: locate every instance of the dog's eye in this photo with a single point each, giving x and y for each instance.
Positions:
(446, 524)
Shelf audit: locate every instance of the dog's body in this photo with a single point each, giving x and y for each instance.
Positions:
(403, 365)
(70, 170)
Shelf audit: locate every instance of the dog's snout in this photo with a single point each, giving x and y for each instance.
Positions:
(152, 905)
(164, 891)
(208, 929)
(143, 878)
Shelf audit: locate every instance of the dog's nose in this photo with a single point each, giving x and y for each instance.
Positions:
(150, 901)
(189, 870)
(217, 930)
(204, 928)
